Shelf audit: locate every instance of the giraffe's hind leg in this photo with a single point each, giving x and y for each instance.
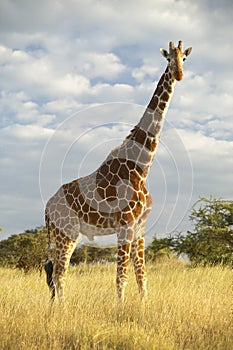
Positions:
(138, 255)
(64, 249)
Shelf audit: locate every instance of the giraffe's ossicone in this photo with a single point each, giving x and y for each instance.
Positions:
(114, 198)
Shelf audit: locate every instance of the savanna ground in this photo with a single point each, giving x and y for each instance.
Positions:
(187, 308)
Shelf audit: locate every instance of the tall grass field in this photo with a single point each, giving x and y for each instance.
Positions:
(187, 308)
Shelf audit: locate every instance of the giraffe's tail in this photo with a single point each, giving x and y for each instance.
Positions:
(47, 225)
(48, 266)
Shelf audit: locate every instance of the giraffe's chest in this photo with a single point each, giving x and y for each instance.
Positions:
(105, 222)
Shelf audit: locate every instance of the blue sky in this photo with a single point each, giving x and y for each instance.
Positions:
(71, 69)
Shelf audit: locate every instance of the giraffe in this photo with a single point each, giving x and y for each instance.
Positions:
(114, 198)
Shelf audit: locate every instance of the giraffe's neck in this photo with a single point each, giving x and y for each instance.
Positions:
(158, 105)
(146, 133)
(140, 145)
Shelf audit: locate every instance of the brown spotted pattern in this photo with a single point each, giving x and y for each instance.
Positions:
(114, 198)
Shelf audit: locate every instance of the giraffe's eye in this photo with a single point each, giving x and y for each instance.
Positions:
(184, 58)
(168, 59)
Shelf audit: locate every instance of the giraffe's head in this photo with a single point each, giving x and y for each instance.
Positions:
(176, 57)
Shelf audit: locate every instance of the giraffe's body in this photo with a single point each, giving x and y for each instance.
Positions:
(114, 198)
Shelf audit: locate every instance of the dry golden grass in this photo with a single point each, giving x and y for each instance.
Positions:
(186, 309)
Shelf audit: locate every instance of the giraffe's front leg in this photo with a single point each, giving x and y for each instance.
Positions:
(123, 256)
(138, 255)
(64, 250)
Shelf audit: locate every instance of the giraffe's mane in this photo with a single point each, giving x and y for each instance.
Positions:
(132, 132)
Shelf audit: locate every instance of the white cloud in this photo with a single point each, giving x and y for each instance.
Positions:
(110, 93)
(19, 107)
(144, 72)
(94, 65)
(29, 132)
(62, 107)
(5, 54)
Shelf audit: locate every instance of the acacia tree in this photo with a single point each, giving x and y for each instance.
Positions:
(211, 242)
(159, 249)
(25, 251)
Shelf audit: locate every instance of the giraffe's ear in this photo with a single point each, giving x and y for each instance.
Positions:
(188, 51)
(164, 53)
